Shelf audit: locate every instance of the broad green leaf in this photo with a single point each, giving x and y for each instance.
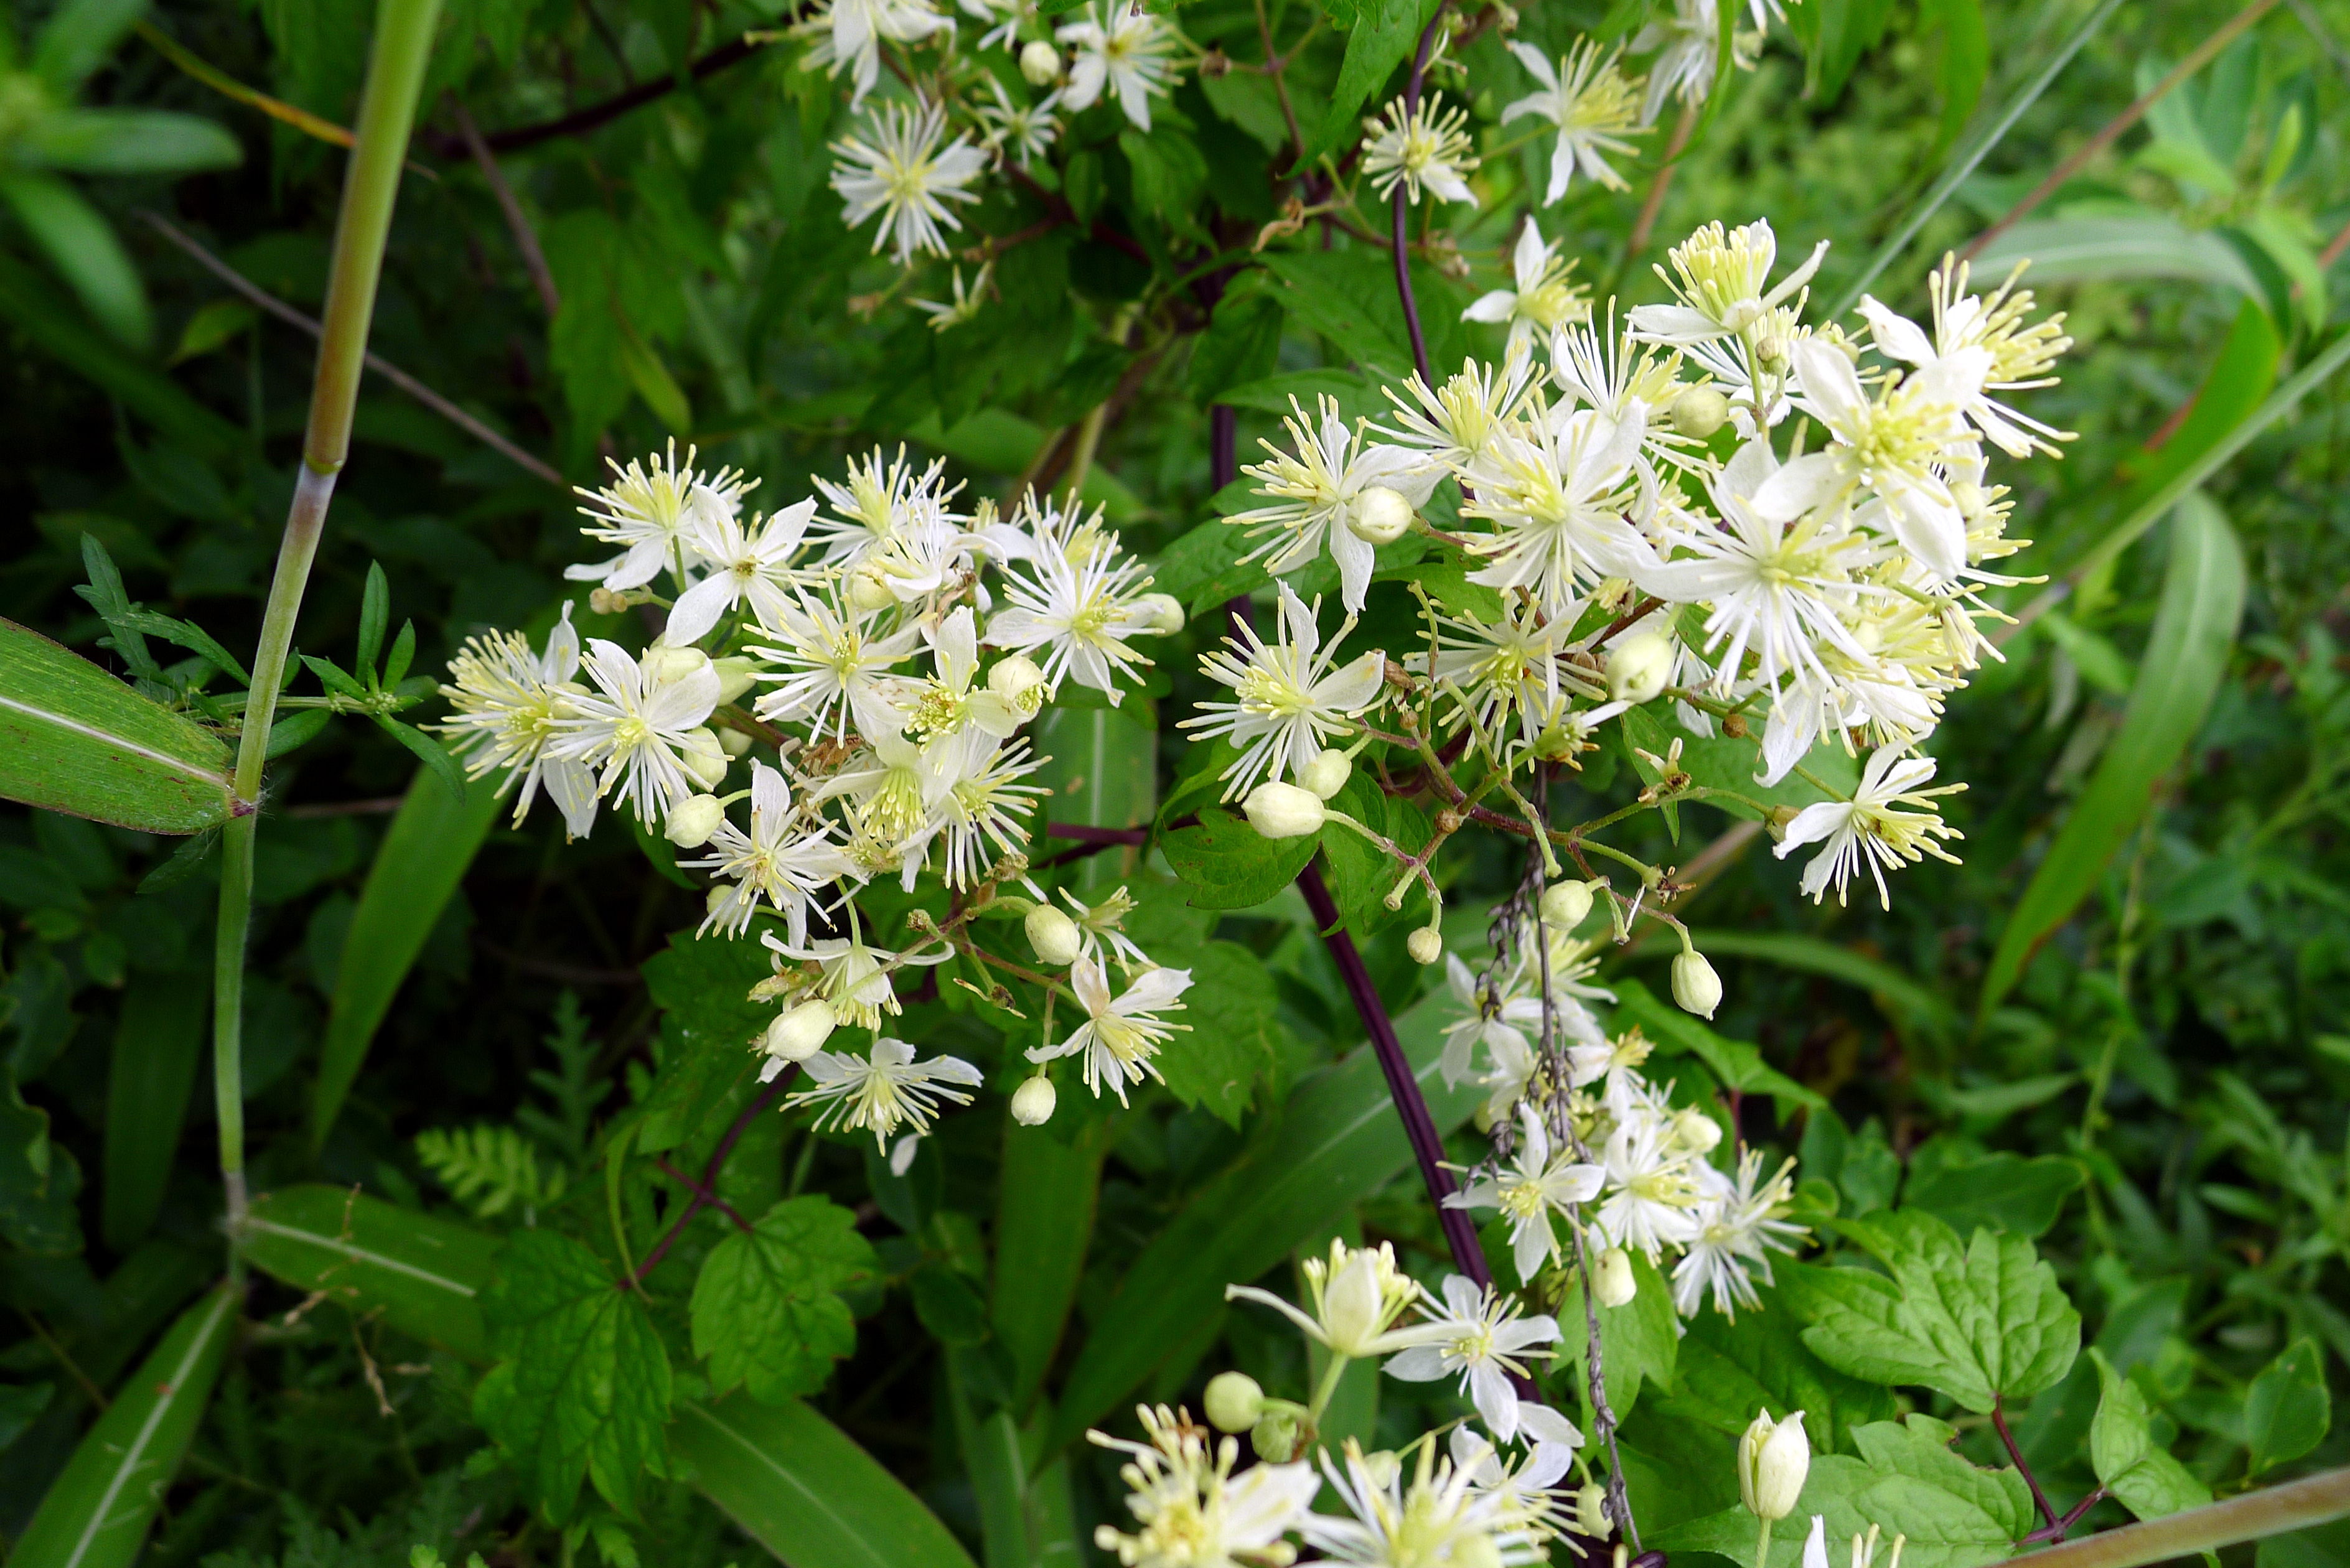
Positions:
(158, 1039)
(76, 740)
(424, 1275)
(802, 1487)
(583, 1389)
(991, 1458)
(1382, 39)
(1982, 1322)
(1730, 1368)
(1735, 1063)
(2186, 657)
(1241, 345)
(702, 985)
(1360, 873)
(97, 1511)
(1193, 567)
(1225, 864)
(1337, 1142)
(432, 840)
(2002, 1191)
(2288, 1408)
(1347, 296)
(1232, 1046)
(767, 1314)
(21, 1404)
(2327, 1546)
(81, 245)
(39, 1179)
(2153, 246)
(1905, 1000)
(2148, 1480)
(1045, 1194)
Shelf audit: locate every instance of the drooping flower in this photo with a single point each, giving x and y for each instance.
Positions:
(1871, 829)
(898, 169)
(1120, 1034)
(1288, 699)
(883, 1090)
(947, 315)
(1591, 103)
(1357, 1293)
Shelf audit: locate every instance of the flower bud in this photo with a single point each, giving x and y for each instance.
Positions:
(1774, 1458)
(1284, 811)
(664, 663)
(1054, 936)
(1591, 1512)
(1383, 1466)
(1700, 412)
(734, 743)
(870, 591)
(693, 820)
(733, 677)
(1425, 945)
(1638, 666)
(1327, 774)
(1160, 612)
(1696, 986)
(1474, 1552)
(794, 1035)
(1563, 905)
(1379, 516)
(1968, 497)
(704, 760)
(1032, 1102)
(1612, 1280)
(1040, 62)
(1234, 1402)
(1695, 1131)
(1018, 682)
(1276, 1434)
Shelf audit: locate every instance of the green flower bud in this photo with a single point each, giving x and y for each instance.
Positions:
(1234, 1402)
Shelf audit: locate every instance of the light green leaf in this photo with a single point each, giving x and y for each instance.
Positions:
(1981, 1323)
(128, 142)
(81, 246)
(2154, 245)
(425, 854)
(2002, 1191)
(76, 740)
(1104, 772)
(1730, 1368)
(583, 1390)
(1225, 864)
(2288, 1408)
(766, 1312)
(96, 1514)
(1360, 872)
(2148, 1480)
(1735, 1063)
(423, 1275)
(2186, 655)
(800, 1486)
(1232, 1045)
(216, 324)
(157, 1041)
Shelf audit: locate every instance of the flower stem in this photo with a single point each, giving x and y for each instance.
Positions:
(1762, 1545)
(1328, 1387)
(396, 65)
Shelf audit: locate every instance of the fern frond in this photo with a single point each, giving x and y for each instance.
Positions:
(489, 1169)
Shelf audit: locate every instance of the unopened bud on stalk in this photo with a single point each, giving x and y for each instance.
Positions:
(693, 820)
(1276, 1434)
(1563, 905)
(1379, 516)
(1638, 666)
(1284, 811)
(1327, 774)
(734, 743)
(1425, 945)
(1234, 1402)
(704, 759)
(1612, 1280)
(1696, 986)
(1040, 62)
(664, 663)
(1033, 1102)
(794, 1035)
(1695, 1131)
(1162, 612)
(1774, 1458)
(1054, 936)
(733, 677)
(1591, 1512)
(868, 591)
(1700, 412)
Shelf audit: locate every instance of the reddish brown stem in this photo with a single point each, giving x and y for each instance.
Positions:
(702, 1193)
(596, 115)
(1999, 1424)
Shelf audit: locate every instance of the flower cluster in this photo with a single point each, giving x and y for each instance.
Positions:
(840, 693)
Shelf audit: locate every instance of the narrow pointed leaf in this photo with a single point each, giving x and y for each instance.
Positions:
(74, 738)
(421, 1274)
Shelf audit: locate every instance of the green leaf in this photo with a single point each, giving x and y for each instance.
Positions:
(423, 856)
(128, 142)
(1104, 772)
(1361, 873)
(489, 1169)
(77, 37)
(1724, 763)
(21, 1404)
(1045, 1196)
(214, 324)
(1227, 865)
(431, 752)
(1337, 1142)
(375, 614)
(179, 634)
(76, 740)
(702, 984)
(1232, 1045)
(1902, 999)
(1381, 39)
(81, 244)
(583, 1390)
(1736, 1063)
(2132, 248)
(1965, 64)
(2288, 1408)
(767, 1315)
(2129, 1464)
(1981, 1323)
(1348, 296)
(38, 1179)
(158, 1039)
(2186, 656)
(1241, 344)
(1638, 1341)
(800, 1486)
(1730, 1368)
(423, 1275)
(2001, 1192)
(295, 730)
(96, 1514)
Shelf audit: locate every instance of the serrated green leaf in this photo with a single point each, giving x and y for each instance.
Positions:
(1225, 864)
(1982, 1322)
(1230, 1008)
(767, 1315)
(708, 1021)
(583, 1390)
(2148, 1482)
(1729, 1369)
(2002, 1191)
(2288, 1408)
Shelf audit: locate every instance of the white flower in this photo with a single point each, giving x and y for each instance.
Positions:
(899, 170)
(1191, 1510)
(769, 862)
(852, 32)
(883, 498)
(1120, 1036)
(1009, 17)
(1480, 1337)
(1651, 1202)
(646, 511)
(898, 799)
(1543, 300)
(954, 701)
(834, 663)
(1289, 699)
(1522, 1487)
(1684, 68)
(852, 979)
(1127, 54)
(1536, 1185)
(632, 727)
(1084, 611)
(1434, 1518)
(1593, 107)
(1453, 425)
(985, 806)
(1739, 1223)
(883, 1091)
(1511, 666)
(510, 707)
(1023, 130)
(745, 564)
(947, 315)
(1559, 493)
(1358, 1295)
(1988, 348)
(1314, 494)
(1420, 146)
(1720, 283)
(1869, 829)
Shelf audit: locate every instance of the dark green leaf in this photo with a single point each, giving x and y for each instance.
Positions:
(78, 36)
(1227, 865)
(1730, 1368)
(375, 614)
(158, 1039)
(82, 247)
(2002, 1191)
(1046, 1194)
(297, 730)
(39, 1179)
(2288, 1408)
(423, 1275)
(703, 986)
(1638, 1341)
(431, 754)
(128, 142)
(1380, 40)
(1231, 1009)
(767, 1314)
(1242, 343)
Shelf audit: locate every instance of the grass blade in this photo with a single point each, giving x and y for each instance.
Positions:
(1044, 1217)
(421, 1272)
(156, 1044)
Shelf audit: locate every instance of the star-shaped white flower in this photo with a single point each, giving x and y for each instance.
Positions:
(1593, 106)
(1128, 55)
(1317, 494)
(1121, 1035)
(1537, 1184)
(1288, 699)
(882, 1091)
(1543, 300)
(898, 169)
(1479, 1336)
(1870, 829)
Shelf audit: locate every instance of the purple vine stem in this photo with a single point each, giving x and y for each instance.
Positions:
(704, 1192)
(1402, 227)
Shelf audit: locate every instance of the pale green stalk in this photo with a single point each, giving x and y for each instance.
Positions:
(404, 43)
(2273, 1511)
(1324, 1390)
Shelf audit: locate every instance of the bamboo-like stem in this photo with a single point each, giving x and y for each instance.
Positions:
(2273, 1511)
(403, 42)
